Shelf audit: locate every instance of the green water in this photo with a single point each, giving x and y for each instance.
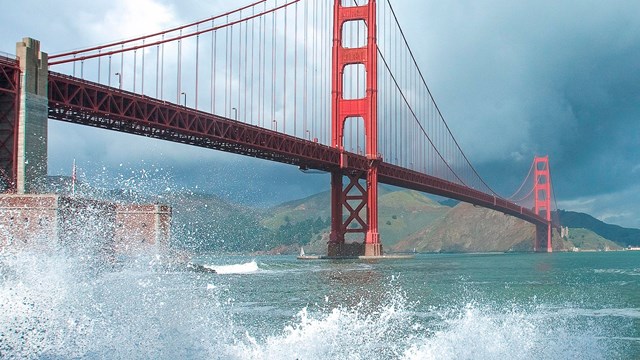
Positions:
(467, 306)
(561, 305)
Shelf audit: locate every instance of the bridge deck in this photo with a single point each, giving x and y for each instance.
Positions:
(87, 103)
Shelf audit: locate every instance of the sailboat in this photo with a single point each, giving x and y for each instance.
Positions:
(301, 251)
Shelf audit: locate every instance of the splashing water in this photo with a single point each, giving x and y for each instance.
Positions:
(56, 305)
(393, 332)
(245, 268)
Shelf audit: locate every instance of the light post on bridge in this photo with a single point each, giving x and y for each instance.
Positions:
(308, 135)
(235, 113)
(119, 75)
(275, 125)
(185, 98)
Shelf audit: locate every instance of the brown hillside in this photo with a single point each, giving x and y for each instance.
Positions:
(472, 229)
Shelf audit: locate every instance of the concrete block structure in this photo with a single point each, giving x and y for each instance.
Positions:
(142, 227)
(50, 221)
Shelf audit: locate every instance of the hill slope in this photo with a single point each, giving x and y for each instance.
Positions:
(584, 239)
(622, 236)
(470, 229)
(401, 213)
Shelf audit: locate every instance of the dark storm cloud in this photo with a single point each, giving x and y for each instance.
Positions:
(516, 79)
(513, 79)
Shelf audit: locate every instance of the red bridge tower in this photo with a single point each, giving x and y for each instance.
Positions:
(542, 202)
(355, 197)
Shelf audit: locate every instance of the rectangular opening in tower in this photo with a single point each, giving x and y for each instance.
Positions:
(353, 3)
(354, 34)
(354, 135)
(541, 166)
(542, 195)
(354, 82)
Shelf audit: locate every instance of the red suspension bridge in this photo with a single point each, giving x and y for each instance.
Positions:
(260, 81)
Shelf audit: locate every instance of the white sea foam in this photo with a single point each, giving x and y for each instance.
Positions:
(391, 332)
(60, 306)
(338, 333)
(631, 272)
(476, 332)
(245, 268)
(632, 313)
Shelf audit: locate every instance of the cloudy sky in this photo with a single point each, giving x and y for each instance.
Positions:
(512, 78)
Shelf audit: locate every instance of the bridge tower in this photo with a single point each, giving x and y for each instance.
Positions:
(355, 197)
(31, 154)
(542, 201)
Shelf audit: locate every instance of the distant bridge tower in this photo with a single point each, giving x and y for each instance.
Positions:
(542, 201)
(355, 197)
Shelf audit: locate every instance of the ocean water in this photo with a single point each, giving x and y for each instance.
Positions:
(54, 305)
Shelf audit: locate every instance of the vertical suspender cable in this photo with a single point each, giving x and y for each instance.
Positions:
(239, 69)
(314, 77)
(121, 69)
(273, 71)
(162, 71)
(179, 75)
(284, 72)
(230, 75)
(135, 65)
(304, 82)
(226, 70)
(195, 106)
(295, 72)
(246, 89)
(253, 32)
(326, 78)
(142, 80)
(157, 69)
(214, 61)
(261, 70)
(99, 65)
(263, 73)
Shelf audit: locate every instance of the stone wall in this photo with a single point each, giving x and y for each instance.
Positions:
(78, 224)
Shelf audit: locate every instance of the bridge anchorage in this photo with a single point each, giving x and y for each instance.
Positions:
(401, 138)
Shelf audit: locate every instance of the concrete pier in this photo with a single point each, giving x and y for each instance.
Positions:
(31, 169)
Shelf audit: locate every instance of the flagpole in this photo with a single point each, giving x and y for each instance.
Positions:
(73, 178)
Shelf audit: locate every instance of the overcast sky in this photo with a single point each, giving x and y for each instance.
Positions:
(512, 78)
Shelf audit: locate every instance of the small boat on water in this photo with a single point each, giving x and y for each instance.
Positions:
(301, 251)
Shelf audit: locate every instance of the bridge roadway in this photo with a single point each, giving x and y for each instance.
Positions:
(88, 103)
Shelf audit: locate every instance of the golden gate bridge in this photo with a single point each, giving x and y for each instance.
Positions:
(319, 85)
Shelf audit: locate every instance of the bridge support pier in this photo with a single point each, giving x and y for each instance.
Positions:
(543, 236)
(355, 198)
(31, 155)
